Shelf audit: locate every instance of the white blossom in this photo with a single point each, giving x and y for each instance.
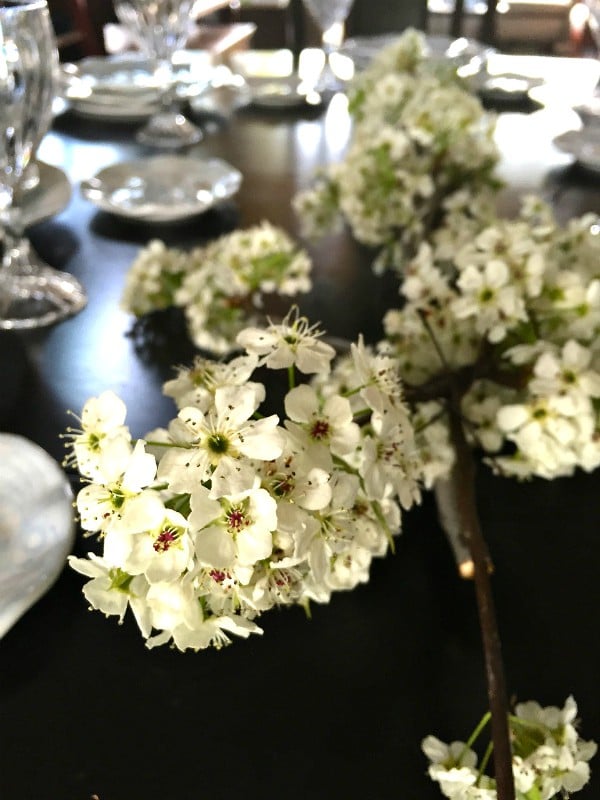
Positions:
(103, 436)
(218, 445)
(294, 342)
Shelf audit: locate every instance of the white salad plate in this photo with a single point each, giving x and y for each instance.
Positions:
(227, 92)
(126, 88)
(583, 145)
(282, 92)
(48, 197)
(36, 525)
(162, 188)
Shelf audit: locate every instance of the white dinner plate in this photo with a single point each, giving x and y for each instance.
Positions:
(51, 194)
(126, 88)
(584, 145)
(162, 188)
(503, 87)
(551, 95)
(119, 112)
(36, 525)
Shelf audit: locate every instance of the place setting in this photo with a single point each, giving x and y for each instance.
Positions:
(128, 88)
(276, 81)
(271, 81)
(151, 85)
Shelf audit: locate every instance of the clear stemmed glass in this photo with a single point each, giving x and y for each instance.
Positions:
(162, 27)
(594, 20)
(32, 294)
(330, 16)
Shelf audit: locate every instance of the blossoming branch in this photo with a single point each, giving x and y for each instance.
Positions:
(549, 757)
(421, 142)
(226, 513)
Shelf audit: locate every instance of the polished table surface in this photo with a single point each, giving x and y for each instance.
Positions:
(334, 707)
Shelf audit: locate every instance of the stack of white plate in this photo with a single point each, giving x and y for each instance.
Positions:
(126, 88)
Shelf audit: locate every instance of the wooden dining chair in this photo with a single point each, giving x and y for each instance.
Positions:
(76, 35)
(487, 28)
(372, 17)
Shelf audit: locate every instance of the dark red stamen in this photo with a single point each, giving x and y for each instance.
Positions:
(236, 519)
(164, 540)
(320, 429)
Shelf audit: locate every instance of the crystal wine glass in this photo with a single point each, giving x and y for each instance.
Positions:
(32, 294)
(162, 27)
(594, 20)
(330, 16)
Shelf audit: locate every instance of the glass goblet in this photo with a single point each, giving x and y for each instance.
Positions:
(594, 20)
(32, 294)
(162, 27)
(330, 16)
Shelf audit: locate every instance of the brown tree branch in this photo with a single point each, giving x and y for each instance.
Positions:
(463, 481)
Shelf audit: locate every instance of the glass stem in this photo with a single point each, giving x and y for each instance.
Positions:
(168, 89)
(16, 255)
(327, 49)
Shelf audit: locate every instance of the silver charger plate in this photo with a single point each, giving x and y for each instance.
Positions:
(161, 188)
(49, 197)
(583, 145)
(36, 525)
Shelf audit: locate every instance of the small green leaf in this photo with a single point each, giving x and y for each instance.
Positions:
(180, 503)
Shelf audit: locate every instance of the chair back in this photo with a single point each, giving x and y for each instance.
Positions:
(487, 29)
(74, 29)
(373, 17)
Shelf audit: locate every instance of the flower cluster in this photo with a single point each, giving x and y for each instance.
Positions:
(419, 138)
(514, 317)
(228, 512)
(221, 286)
(549, 758)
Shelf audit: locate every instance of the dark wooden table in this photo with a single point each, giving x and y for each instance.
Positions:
(334, 707)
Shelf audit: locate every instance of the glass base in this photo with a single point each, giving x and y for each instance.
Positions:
(169, 130)
(38, 299)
